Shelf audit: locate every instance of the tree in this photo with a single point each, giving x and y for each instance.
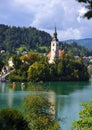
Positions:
(17, 62)
(38, 71)
(65, 66)
(1, 65)
(88, 5)
(85, 118)
(13, 38)
(80, 70)
(11, 119)
(90, 70)
(30, 58)
(39, 112)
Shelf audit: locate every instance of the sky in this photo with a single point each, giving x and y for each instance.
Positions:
(66, 15)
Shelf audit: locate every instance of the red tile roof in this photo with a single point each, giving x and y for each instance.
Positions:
(61, 52)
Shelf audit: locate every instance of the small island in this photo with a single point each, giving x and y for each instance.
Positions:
(56, 65)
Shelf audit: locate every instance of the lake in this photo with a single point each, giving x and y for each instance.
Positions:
(65, 95)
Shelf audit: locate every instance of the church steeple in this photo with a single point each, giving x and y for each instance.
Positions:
(54, 47)
(55, 32)
(55, 35)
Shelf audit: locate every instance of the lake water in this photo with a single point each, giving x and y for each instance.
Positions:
(65, 95)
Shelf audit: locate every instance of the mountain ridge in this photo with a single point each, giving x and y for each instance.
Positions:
(86, 42)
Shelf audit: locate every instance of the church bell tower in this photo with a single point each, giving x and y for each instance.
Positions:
(54, 47)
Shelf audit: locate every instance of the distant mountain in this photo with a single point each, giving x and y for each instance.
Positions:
(83, 42)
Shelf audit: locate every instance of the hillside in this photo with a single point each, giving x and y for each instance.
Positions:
(84, 42)
(12, 38)
(22, 39)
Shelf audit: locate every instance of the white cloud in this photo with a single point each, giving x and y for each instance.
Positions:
(81, 11)
(69, 33)
(48, 12)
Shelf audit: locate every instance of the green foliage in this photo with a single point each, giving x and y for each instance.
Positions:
(30, 58)
(11, 119)
(66, 68)
(88, 5)
(38, 72)
(90, 70)
(39, 113)
(85, 118)
(4, 57)
(17, 62)
(1, 64)
(19, 74)
(76, 49)
(35, 67)
(43, 49)
(22, 48)
(12, 39)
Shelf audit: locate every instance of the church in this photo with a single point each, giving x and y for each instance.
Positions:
(55, 52)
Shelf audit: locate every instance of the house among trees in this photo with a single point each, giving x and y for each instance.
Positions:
(10, 62)
(55, 50)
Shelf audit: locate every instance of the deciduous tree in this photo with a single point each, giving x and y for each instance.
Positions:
(39, 113)
(85, 118)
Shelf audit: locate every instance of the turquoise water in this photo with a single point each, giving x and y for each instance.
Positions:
(65, 95)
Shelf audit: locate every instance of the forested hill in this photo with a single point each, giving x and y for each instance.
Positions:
(12, 38)
(76, 49)
(84, 42)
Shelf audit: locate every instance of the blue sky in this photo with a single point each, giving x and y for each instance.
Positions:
(44, 14)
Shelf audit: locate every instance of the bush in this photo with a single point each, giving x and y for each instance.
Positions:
(11, 119)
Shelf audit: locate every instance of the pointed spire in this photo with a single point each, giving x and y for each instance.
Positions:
(55, 35)
(55, 29)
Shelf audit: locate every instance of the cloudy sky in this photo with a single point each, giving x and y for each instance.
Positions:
(45, 14)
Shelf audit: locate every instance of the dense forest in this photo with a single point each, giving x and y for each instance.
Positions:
(77, 50)
(11, 38)
(18, 39)
(86, 42)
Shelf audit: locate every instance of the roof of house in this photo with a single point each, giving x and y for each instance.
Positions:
(61, 52)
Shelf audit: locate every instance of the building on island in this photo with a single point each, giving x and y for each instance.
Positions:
(10, 62)
(55, 50)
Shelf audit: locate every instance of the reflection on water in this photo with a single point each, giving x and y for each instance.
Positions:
(66, 96)
(52, 99)
(2, 87)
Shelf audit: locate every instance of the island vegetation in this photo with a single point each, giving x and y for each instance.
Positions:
(35, 67)
(28, 48)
